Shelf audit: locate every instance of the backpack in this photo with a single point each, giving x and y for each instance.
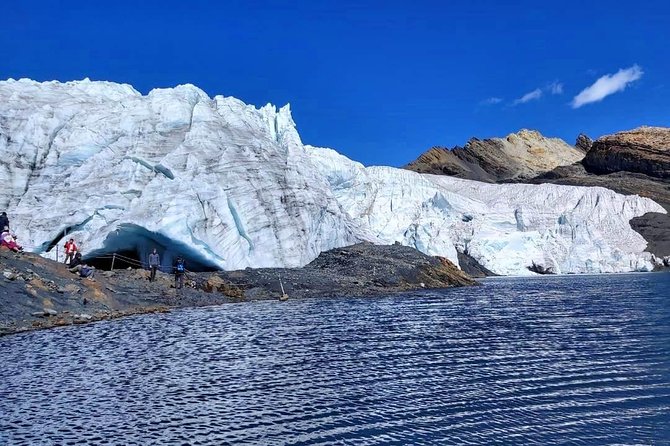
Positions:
(85, 272)
(180, 267)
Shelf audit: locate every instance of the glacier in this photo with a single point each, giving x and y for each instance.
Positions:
(231, 186)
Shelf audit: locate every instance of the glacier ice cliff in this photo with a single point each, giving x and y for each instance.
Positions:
(231, 186)
(505, 227)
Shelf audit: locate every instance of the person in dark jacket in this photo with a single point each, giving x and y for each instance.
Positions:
(154, 263)
(76, 263)
(179, 273)
(4, 221)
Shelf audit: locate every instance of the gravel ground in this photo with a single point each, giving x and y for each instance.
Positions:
(39, 293)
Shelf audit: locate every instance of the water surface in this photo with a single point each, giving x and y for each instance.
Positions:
(549, 360)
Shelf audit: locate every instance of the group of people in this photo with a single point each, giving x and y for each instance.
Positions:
(7, 238)
(75, 262)
(74, 259)
(179, 269)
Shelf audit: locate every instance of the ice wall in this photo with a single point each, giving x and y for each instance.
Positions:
(234, 186)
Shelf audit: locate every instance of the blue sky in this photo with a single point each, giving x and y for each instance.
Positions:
(378, 81)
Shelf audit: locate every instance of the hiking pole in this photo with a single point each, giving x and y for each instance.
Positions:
(284, 296)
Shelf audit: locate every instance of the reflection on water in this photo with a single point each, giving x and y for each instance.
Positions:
(552, 360)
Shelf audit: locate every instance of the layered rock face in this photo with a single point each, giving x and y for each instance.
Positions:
(231, 186)
(521, 155)
(645, 150)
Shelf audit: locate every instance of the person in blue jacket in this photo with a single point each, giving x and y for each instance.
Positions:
(179, 273)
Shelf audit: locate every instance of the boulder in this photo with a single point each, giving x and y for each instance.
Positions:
(45, 312)
(217, 283)
(69, 288)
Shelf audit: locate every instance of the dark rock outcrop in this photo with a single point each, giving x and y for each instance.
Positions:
(520, 155)
(359, 270)
(583, 143)
(539, 269)
(655, 228)
(472, 267)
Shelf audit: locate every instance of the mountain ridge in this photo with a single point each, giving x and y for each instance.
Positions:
(521, 155)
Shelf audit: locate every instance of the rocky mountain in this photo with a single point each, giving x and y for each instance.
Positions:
(231, 186)
(521, 155)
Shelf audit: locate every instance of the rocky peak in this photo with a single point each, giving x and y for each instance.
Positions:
(525, 135)
(520, 155)
(583, 143)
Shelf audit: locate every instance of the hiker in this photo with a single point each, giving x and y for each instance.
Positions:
(154, 263)
(77, 265)
(8, 240)
(179, 272)
(70, 251)
(4, 221)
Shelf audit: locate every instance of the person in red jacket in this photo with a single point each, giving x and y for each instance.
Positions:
(8, 240)
(70, 250)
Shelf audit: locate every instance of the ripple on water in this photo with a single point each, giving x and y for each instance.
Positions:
(579, 360)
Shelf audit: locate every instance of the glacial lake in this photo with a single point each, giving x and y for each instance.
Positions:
(581, 360)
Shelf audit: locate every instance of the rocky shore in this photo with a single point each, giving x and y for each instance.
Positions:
(39, 293)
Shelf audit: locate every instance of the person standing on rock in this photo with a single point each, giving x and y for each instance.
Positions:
(154, 263)
(4, 221)
(179, 272)
(70, 251)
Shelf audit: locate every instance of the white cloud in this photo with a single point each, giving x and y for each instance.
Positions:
(492, 101)
(531, 96)
(555, 87)
(607, 85)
